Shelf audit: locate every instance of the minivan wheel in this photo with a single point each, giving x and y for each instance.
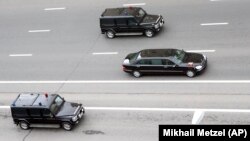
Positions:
(110, 34)
(136, 74)
(24, 125)
(149, 33)
(190, 73)
(66, 126)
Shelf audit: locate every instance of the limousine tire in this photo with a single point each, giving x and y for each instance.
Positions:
(24, 125)
(110, 34)
(136, 74)
(190, 73)
(149, 33)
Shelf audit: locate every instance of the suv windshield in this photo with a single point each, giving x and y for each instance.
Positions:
(140, 14)
(55, 106)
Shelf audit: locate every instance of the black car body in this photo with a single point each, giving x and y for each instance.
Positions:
(150, 61)
(43, 110)
(129, 21)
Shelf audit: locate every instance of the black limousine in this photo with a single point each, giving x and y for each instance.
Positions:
(157, 61)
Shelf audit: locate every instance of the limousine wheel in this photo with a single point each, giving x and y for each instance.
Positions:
(24, 125)
(110, 34)
(66, 126)
(149, 33)
(190, 73)
(136, 74)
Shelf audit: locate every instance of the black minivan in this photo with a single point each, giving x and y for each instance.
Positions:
(129, 21)
(45, 110)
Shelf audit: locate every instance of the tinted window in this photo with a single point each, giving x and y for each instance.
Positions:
(144, 62)
(35, 112)
(156, 62)
(168, 62)
(108, 22)
(46, 113)
(19, 112)
(132, 21)
(121, 22)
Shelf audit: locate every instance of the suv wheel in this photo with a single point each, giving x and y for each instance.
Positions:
(136, 74)
(66, 126)
(190, 73)
(110, 34)
(24, 125)
(149, 33)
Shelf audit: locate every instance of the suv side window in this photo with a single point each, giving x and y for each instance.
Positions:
(20, 112)
(46, 113)
(108, 22)
(35, 112)
(131, 22)
(145, 62)
(121, 22)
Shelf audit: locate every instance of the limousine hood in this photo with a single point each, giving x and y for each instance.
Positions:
(150, 19)
(193, 57)
(69, 109)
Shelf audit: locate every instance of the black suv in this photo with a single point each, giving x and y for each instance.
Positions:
(164, 61)
(129, 21)
(43, 110)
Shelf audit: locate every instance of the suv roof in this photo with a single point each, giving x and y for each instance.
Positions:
(122, 11)
(158, 52)
(33, 100)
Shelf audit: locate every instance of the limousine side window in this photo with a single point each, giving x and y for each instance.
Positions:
(144, 62)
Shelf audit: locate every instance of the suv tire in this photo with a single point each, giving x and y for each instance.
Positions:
(149, 33)
(110, 34)
(136, 74)
(24, 125)
(67, 126)
(190, 73)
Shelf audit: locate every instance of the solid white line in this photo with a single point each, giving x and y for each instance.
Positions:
(59, 8)
(131, 82)
(207, 24)
(200, 51)
(4, 107)
(33, 31)
(20, 55)
(160, 109)
(198, 116)
(134, 4)
(214, 0)
(104, 53)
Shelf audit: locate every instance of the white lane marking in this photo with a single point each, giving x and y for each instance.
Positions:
(4, 107)
(58, 8)
(208, 24)
(34, 31)
(104, 53)
(159, 109)
(134, 4)
(131, 82)
(20, 55)
(200, 50)
(198, 116)
(214, 0)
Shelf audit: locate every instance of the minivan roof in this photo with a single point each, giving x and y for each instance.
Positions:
(33, 100)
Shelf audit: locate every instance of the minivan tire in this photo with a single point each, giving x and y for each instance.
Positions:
(67, 126)
(24, 125)
(110, 34)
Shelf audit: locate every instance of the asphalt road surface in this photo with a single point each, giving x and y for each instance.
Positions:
(62, 50)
